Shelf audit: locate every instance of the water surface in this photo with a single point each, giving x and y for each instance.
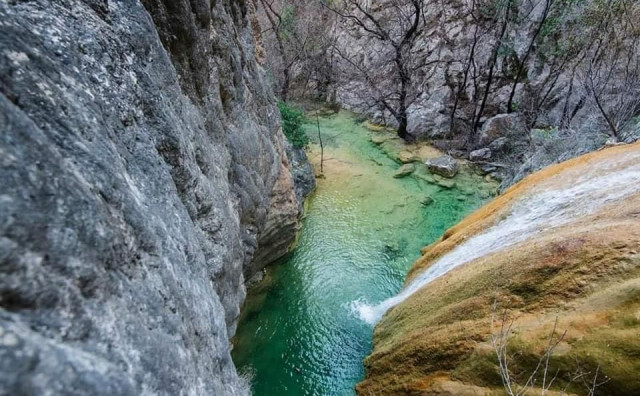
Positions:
(299, 334)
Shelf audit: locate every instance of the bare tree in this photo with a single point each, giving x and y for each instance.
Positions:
(276, 22)
(502, 17)
(547, 4)
(611, 70)
(542, 376)
(300, 42)
(390, 70)
(558, 63)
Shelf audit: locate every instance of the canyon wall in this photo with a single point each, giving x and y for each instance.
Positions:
(142, 166)
(563, 74)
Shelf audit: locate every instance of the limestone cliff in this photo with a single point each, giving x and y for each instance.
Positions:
(142, 162)
(472, 61)
(556, 252)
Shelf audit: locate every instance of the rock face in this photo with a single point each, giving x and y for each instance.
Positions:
(556, 252)
(302, 173)
(509, 127)
(142, 169)
(482, 154)
(523, 80)
(445, 166)
(282, 220)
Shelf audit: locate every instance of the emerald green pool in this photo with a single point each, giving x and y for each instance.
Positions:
(362, 231)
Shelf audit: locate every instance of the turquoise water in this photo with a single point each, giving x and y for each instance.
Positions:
(362, 231)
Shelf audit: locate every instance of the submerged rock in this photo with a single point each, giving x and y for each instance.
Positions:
(445, 166)
(406, 157)
(444, 182)
(404, 170)
(426, 177)
(426, 201)
(379, 139)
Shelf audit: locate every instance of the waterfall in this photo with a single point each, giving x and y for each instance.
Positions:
(553, 206)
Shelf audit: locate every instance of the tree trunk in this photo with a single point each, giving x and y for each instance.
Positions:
(284, 90)
(521, 64)
(612, 128)
(493, 61)
(463, 86)
(404, 86)
(402, 124)
(275, 25)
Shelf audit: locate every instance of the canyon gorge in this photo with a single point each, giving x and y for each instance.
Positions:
(269, 197)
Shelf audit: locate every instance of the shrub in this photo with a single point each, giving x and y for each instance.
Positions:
(292, 120)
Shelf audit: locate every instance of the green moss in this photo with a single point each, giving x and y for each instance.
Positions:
(526, 290)
(617, 351)
(480, 368)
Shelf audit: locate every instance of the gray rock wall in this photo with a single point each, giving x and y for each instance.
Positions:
(554, 99)
(140, 148)
(551, 91)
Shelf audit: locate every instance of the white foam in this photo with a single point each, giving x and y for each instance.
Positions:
(535, 213)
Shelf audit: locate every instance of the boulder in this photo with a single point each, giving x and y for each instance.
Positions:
(404, 170)
(379, 139)
(303, 180)
(445, 166)
(482, 154)
(407, 157)
(498, 145)
(426, 201)
(509, 126)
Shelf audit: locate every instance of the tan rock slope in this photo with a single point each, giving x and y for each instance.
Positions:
(561, 248)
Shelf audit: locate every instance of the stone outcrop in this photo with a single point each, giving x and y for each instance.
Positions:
(482, 154)
(444, 166)
(511, 128)
(142, 169)
(281, 222)
(556, 252)
(302, 172)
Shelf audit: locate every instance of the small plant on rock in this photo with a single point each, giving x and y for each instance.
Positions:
(292, 120)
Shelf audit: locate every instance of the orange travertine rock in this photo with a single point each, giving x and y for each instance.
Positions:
(577, 267)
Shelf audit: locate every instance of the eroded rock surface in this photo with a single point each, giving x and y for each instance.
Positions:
(141, 161)
(553, 258)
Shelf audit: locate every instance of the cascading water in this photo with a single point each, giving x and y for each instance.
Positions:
(553, 204)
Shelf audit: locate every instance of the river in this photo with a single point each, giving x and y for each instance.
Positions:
(299, 333)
